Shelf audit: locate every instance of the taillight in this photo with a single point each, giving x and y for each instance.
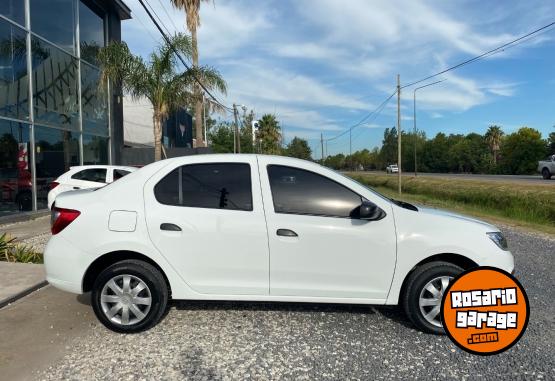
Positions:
(53, 185)
(61, 218)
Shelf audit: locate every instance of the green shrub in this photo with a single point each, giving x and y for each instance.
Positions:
(12, 251)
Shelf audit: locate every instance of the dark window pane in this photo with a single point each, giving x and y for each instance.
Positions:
(14, 85)
(303, 192)
(167, 189)
(15, 168)
(56, 152)
(55, 21)
(218, 186)
(91, 33)
(14, 10)
(95, 150)
(55, 86)
(94, 102)
(119, 173)
(98, 175)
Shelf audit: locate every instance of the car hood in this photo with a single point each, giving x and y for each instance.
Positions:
(456, 216)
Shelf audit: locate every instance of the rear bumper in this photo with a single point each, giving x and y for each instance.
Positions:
(65, 264)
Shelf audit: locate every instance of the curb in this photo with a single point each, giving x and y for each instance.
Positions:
(23, 216)
(19, 295)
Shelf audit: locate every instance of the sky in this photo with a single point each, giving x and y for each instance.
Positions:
(323, 65)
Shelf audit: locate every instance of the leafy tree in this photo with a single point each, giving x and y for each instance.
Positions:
(246, 136)
(158, 79)
(299, 148)
(551, 143)
(192, 12)
(388, 153)
(221, 137)
(470, 155)
(336, 162)
(493, 137)
(435, 155)
(521, 151)
(269, 135)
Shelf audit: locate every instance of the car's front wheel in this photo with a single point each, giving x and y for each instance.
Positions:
(546, 174)
(423, 294)
(130, 296)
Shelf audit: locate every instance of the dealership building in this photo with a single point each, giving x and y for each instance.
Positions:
(54, 113)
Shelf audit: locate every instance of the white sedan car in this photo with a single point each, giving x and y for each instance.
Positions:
(86, 177)
(257, 228)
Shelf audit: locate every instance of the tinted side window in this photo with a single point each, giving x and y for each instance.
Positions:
(98, 175)
(217, 186)
(296, 191)
(119, 173)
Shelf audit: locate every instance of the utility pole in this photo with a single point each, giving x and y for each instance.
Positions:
(236, 139)
(350, 149)
(415, 137)
(399, 131)
(322, 143)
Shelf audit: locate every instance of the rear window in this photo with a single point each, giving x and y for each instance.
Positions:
(97, 175)
(119, 173)
(215, 186)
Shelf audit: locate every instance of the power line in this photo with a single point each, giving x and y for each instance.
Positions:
(158, 17)
(376, 111)
(167, 14)
(170, 44)
(483, 55)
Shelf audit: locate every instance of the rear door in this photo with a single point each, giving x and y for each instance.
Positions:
(207, 219)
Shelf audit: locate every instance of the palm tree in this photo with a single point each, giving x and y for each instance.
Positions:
(493, 137)
(157, 80)
(269, 135)
(192, 9)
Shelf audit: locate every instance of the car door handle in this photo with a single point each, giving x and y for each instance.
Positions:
(76, 188)
(286, 233)
(170, 227)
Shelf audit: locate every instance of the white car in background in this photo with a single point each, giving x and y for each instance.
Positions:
(86, 177)
(393, 168)
(257, 228)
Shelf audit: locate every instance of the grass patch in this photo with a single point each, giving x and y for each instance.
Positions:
(525, 205)
(12, 251)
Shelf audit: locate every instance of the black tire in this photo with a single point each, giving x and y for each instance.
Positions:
(144, 272)
(546, 174)
(416, 282)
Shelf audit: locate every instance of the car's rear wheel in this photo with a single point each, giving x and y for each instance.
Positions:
(423, 293)
(546, 174)
(130, 296)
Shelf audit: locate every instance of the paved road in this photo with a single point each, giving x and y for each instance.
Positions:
(535, 179)
(205, 341)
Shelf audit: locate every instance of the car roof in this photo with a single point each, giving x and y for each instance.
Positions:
(92, 166)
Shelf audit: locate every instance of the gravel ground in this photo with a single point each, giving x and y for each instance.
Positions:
(259, 341)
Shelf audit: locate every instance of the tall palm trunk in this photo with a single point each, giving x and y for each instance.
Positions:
(157, 121)
(198, 103)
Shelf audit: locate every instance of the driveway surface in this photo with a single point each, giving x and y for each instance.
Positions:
(268, 341)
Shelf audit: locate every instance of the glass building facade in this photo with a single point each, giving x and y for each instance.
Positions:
(54, 111)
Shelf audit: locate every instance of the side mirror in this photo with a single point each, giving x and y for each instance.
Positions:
(368, 211)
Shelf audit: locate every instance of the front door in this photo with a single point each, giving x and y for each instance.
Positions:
(316, 248)
(207, 219)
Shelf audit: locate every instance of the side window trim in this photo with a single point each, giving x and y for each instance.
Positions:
(362, 198)
(180, 176)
